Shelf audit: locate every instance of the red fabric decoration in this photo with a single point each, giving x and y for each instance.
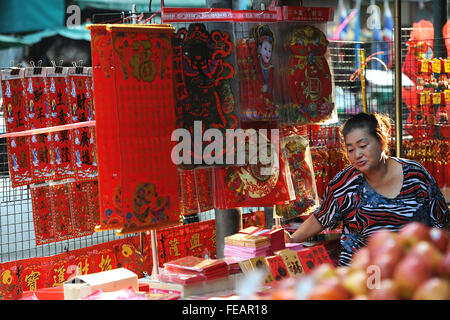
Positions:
(104, 259)
(10, 288)
(196, 192)
(59, 269)
(62, 213)
(62, 153)
(309, 77)
(42, 214)
(129, 257)
(256, 74)
(108, 147)
(84, 154)
(34, 274)
(19, 161)
(80, 208)
(41, 165)
(140, 191)
(203, 89)
(246, 186)
(38, 114)
(60, 115)
(94, 203)
(83, 263)
(295, 147)
(36, 100)
(84, 159)
(13, 94)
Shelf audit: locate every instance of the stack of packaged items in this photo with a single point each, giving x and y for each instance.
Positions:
(190, 269)
(254, 242)
(245, 246)
(233, 264)
(276, 237)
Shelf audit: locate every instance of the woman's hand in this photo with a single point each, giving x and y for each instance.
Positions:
(287, 237)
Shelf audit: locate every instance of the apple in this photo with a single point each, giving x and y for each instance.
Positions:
(342, 271)
(386, 291)
(324, 271)
(439, 238)
(409, 274)
(378, 240)
(433, 289)
(361, 259)
(329, 289)
(412, 233)
(443, 268)
(356, 283)
(427, 253)
(386, 265)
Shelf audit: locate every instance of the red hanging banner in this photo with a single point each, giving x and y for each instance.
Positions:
(42, 214)
(62, 213)
(13, 94)
(144, 193)
(60, 115)
(108, 147)
(38, 113)
(81, 210)
(84, 159)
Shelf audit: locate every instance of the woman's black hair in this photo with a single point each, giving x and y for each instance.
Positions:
(378, 125)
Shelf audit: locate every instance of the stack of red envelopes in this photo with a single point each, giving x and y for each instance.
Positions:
(202, 269)
(275, 236)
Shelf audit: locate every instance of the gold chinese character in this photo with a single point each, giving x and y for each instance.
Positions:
(85, 269)
(174, 246)
(105, 264)
(32, 279)
(58, 278)
(213, 238)
(195, 241)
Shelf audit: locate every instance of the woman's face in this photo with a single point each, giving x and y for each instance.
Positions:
(363, 150)
(266, 51)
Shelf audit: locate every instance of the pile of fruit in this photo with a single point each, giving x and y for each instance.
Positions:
(413, 263)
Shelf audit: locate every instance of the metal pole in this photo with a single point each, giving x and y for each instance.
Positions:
(439, 48)
(228, 222)
(155, 271)
(398, 78)
(362, 64)
(439, 20)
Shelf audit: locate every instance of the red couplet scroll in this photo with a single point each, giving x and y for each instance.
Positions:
(135, 112)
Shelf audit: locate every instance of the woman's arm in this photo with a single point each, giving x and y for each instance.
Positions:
(309, 228)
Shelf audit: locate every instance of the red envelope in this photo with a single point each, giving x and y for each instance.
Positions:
(278, 267)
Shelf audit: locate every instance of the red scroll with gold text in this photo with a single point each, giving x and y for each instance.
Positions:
(137, 179)
(15, 114)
